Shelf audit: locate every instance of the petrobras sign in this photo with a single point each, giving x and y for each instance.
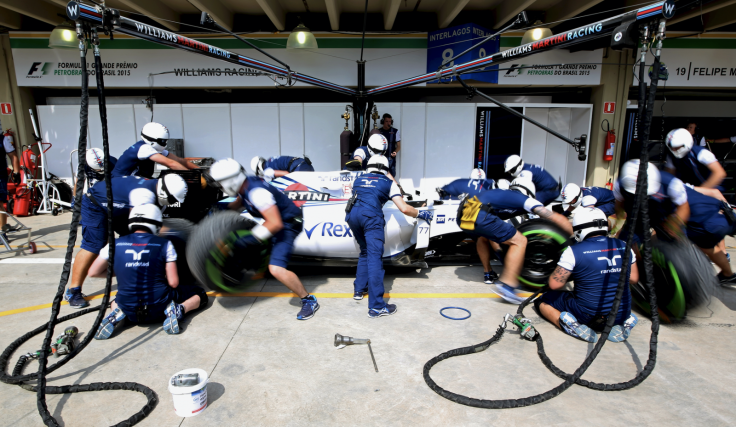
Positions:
(444, 44)
(555, 67)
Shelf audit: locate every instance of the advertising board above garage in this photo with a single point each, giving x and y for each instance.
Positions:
(708, 61)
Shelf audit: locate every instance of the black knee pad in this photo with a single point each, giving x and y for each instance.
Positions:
(203, 297)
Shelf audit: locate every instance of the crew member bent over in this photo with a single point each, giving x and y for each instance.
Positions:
(484, 214)
(127, 192)
(281, 165)
(595, 265)
(365, 218)
(283, 223)
(148, 282)
(547, 188)
(140, 158)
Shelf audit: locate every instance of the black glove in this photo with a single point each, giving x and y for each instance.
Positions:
(354, 165)
(15, 177)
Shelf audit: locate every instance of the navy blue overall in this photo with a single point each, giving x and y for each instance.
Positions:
(288, 163)
(130, 162)
(690, 170)
(366, 157)
(471, 187)
(505, 204)
(547, 187)
(605, 200)
(283, 241)
(707, 226)
(660, 206)
(390, 136)
(367, 222)
(93, 176)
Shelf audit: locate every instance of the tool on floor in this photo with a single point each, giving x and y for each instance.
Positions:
(525, 326)
(185, 380)
(63, 345)
(343, 341)
(17, 228)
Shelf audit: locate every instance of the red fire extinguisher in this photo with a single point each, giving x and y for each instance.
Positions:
(609, 184)
(610, 145)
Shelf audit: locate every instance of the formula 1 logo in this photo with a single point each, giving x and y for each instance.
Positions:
(136, 255)
(72, 10)
(38, 69)
(329, 229)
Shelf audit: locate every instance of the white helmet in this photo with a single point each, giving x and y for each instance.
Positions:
(589, 220)
(147, 216)
(96, 159)
(524, 186)
(229, 175)
(478, 173)
(513, 165)
(571, 196)
(526, 174)
(629, 173)
(377, 144)
(503, 184)
(171, 189)
(256, 165)
(156, 135)
(377, 164)
(588, 202)
(680, 142)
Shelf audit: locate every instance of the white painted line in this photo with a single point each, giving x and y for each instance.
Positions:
(33, 261)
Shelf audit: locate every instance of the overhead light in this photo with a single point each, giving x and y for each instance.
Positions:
(535, 34)
(64, 36)
(301, 38)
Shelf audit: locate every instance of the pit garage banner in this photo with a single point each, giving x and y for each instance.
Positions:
(701, 67)
(557, 67)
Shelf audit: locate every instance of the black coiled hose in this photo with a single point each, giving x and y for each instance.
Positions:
(41, 388)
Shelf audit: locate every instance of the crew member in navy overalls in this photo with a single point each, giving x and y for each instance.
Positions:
(281, 165)
(94, 168)
(694, 165)
(127, 192)
(365, 218)
(140, 158)
(283, 223)
(587, 197)
(393, 137)
(148, 281)
(669, 209)
(711, 220)
(594, 264)
(377, 145)
(484, 215)
(9, 150)
(460, 188)
(548, 188)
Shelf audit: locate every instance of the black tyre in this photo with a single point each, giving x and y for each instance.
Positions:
(177, 231)
(219, 266)
(683, 278)
(545, 243)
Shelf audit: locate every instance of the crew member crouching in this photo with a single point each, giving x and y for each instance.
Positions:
(594, 264)
(281, 165)
(148, 282)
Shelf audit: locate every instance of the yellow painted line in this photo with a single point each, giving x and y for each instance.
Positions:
(284, 295)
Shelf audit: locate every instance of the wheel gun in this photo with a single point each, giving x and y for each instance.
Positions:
(526, 330)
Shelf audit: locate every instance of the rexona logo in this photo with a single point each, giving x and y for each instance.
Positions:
(329, 229)
(38, 70)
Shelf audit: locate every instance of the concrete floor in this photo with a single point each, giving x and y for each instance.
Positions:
(267, 368)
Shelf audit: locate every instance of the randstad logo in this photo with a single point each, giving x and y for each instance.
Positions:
(329, 229)
(38, 69)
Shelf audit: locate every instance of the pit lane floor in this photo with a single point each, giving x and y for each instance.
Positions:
(267, 368)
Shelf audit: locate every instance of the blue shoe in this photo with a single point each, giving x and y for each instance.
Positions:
(490, 277)
(309, 307)
(358, 295)
(620, 333)
(385, 311)
(508, 293)
(174, 312)
(109, 324)
(75, 298)
(571, 326)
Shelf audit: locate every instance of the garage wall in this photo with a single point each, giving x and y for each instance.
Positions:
(437, 138)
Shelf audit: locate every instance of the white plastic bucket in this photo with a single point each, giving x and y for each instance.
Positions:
(192, 400)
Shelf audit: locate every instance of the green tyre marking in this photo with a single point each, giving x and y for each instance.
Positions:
(676, 306)
(557, 238)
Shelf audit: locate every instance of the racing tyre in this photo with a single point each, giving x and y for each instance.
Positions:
(545, 243)
(683, 278)
(177, 231)
(216, 264)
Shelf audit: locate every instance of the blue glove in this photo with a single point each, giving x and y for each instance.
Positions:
(426, 215)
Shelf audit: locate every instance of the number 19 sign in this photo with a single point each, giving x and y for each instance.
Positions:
(444, 44)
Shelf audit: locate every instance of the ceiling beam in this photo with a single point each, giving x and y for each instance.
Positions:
(390, 10)
(333, 11)
(42, 11)
(568, 9)
(9, 19)
(155, 10)
(61, 3)
(725, 16)
(449, 11)
(215, 9)
(696, 11)
(275, 13)
(508, 10)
